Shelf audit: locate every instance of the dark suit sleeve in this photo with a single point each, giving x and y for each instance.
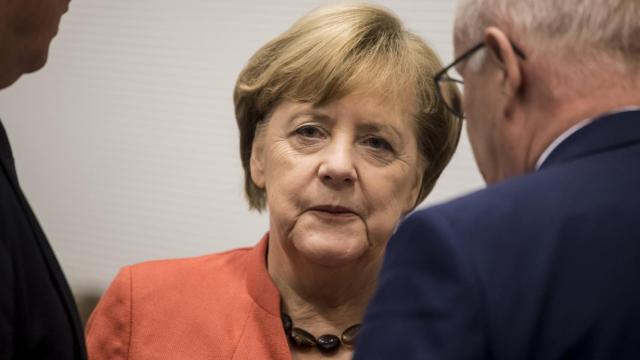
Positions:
(6, 302)
(7, 275)
(426, 306)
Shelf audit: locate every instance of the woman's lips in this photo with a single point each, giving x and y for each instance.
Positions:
(333, 212)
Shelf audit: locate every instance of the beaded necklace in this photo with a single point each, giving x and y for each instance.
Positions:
(327, 343)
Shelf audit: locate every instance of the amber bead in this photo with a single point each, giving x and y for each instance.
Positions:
(349, 336)
(328, 343)
(302, 338)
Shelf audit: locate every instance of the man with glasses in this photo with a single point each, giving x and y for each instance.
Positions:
(545, 262)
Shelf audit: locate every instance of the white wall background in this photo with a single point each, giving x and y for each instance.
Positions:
(126, 143)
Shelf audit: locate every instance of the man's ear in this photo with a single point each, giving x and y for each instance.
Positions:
(499, 44)
(256, 163)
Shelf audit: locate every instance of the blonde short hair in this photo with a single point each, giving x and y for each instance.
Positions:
(332, 52)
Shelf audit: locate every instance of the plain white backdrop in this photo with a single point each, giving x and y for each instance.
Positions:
(126, 142)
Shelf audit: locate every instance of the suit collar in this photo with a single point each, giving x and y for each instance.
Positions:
(605, 133)
(559, 140)
(6, 156)
(5, 149)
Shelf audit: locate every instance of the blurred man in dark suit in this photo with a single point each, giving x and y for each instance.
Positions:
(545, 262)
(38, 317)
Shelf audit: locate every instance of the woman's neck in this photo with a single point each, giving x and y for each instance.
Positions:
(321, 299)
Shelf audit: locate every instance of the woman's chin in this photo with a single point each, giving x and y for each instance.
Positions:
(331, 251)
(327, 242)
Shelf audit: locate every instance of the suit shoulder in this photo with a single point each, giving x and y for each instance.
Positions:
(518, 203)
(543, 205)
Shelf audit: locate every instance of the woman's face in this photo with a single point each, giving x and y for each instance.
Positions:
(338, 177)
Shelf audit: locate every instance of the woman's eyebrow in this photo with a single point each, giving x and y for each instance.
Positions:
(315, 114)
(370, 126)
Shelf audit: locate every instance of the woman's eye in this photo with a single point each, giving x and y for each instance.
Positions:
(309, 131)
(378, 144)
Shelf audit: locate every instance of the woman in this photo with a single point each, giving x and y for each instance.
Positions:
(341, 134)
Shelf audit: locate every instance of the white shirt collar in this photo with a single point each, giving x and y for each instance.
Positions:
(545, 154)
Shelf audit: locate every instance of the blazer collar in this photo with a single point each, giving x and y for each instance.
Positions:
(603, 134)
(259, 283)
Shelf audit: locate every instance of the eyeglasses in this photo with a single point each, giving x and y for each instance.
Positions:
(449, 79)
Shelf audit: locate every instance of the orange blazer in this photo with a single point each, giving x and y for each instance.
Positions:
(221, 306)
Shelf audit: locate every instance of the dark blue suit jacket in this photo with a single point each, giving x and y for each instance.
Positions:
(542, 266)
(38, 317)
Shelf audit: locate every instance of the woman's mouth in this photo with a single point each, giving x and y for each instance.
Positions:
(332, 212)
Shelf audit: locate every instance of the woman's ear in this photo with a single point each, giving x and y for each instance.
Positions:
(256, 163)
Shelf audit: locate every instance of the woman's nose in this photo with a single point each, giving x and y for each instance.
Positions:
(337, 167)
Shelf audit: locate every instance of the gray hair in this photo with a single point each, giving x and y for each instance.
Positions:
(587, 29)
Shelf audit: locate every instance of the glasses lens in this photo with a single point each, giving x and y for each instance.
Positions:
(451, 88)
